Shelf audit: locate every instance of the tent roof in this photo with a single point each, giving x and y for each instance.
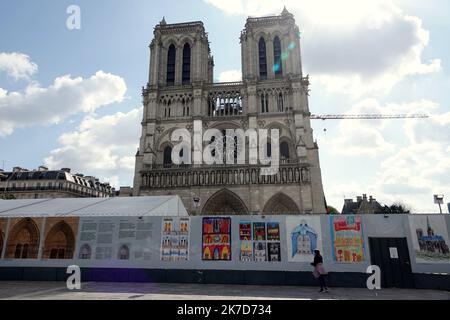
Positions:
(77, 207)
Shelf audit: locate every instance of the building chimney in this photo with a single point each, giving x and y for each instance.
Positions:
(358, 198)
(348, 200)
(365, 197)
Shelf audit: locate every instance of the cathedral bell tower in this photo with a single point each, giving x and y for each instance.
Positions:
(180, 58)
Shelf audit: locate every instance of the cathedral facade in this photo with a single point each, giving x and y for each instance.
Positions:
(273, 94)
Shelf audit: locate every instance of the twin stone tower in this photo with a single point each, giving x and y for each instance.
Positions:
(273, 94)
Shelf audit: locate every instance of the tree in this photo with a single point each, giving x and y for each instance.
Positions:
(332, 210)
(397, 207)
(7, 196)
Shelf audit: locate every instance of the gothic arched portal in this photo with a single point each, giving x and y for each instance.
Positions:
(23, 240)
(224, 202)
(280, 204)
(60, 242)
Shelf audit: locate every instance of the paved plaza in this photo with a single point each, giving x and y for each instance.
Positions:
(155, 291)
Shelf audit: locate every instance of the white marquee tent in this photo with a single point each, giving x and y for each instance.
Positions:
(79, 207)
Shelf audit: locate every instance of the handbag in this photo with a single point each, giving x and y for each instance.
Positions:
(316, 273)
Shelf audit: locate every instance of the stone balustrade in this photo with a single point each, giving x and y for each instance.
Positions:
(182, 176)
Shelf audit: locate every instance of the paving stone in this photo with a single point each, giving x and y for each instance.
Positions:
(158, 291)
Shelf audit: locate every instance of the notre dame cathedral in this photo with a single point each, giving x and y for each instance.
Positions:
(273, 94)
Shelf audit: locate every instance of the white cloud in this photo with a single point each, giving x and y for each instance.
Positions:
(65, 97)
(374, 138)
(351, 46)
(104, 146)
(17, 65)
(230, 76)
(361, 141)
(411, 168)
(415, 173)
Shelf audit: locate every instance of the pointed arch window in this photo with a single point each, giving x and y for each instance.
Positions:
(278, 66)
(167, 110)
(85, 252)
(269, 150)
(124, 253)
(284, 150)
(264, 103)
(186, 64)
(262, 58)
(22, 251)
(171, 57)
(167, 161)
(18, 252)
(280, 102)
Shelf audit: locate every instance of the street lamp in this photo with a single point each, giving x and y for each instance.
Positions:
(439, 199)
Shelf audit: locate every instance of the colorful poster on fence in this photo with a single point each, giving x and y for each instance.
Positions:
(175, 239)
(216, 239)
(430, 238)
(347, 241)
(303, 237)
(259, 241)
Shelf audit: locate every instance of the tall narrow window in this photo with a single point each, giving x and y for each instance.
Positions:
(264, 103)
(25, 251)
(167, 111)
(167, 161)
(235, 148)
(278, 66)
(280, 102)
(18, 253)
(262, 58)
(186, 63)
(284, 150)
(171, 55)
(267, 102)
(269, 150)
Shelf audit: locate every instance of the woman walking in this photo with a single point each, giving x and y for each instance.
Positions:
(319, 271)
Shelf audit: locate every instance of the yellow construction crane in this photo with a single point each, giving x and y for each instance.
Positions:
(366, 116)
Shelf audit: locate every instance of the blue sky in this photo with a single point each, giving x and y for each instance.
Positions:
(362, 56)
